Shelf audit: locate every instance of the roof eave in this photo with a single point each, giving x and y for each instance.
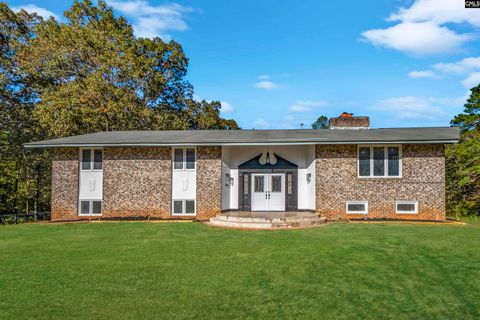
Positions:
(84, 145)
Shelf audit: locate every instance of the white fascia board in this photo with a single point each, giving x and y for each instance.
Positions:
(81, 145)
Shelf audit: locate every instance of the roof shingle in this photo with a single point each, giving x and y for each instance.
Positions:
(254, 137)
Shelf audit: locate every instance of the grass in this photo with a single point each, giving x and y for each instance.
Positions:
(188, 270)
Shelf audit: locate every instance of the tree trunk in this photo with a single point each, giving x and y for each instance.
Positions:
(15, 190)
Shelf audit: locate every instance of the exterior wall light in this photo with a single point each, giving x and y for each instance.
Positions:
(309, 177)
(228, 180)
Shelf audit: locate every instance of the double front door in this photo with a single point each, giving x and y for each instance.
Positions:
(268, 192)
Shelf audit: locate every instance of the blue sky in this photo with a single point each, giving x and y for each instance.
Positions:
(277, 64)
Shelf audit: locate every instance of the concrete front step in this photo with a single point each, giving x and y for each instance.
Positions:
(266, 223)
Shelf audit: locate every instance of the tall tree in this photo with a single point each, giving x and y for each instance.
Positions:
(84, 74)
(22, 173)
(463, 159)
(320, 123)
(93, 74)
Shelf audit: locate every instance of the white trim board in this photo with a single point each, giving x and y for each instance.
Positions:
(94, 145)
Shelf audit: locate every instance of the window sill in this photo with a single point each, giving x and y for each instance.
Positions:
(89, 215)
(184, 214)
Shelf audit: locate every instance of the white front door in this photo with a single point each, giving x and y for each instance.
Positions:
(276, 192)
(259, 192)
(268, 192)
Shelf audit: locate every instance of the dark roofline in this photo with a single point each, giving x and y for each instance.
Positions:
(97, 145)
(426, 135)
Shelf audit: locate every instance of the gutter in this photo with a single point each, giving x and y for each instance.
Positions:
(270, 143)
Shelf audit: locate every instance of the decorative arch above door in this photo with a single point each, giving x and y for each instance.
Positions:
(254, 163)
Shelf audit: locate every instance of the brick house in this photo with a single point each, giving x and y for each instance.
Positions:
(347, 171)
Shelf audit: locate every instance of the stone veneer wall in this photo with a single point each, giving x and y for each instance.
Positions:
(64, 201)
(137, 182)
(209, 182)
(423, 179)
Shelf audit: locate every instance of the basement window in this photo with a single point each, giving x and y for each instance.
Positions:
(357, 207)
(90, 208)
(406, 207)
(379, 161)
(183, 207)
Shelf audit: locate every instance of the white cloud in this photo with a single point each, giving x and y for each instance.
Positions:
(422, 74)
(266, 85)
(263, 77)
(226, 107)
(437, 11)
(261, 123)
(32, 8)
(460, 67)
(307, 105)
(425, 28)
(152, 20)
(417, 38)
(467, 68)
(472, 80)
(419, 108)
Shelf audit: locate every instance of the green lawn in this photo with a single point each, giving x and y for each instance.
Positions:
(191, 271)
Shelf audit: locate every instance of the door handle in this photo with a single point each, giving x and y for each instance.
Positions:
(266, 194)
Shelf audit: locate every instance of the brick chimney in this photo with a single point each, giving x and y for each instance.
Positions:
(349, 122)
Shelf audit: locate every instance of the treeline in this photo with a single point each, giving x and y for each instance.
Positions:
(85, 74)
(463, 161)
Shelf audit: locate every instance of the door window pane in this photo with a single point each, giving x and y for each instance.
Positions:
(393, 161)
(289, 183)
(96, 207)
(178, 159)
(364, 161)
(190, 158)
(246, 184)
(178, 206)
(276, 184)
(97, 159)
(86, 159)
(85, 207)
(189, 206)
(258, 184)
(378, 161)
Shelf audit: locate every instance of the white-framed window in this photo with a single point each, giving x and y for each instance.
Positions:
(183, 207)
(379, 161)
(90, 207)
(184, 158)
(406, 207)
(356, 207)
(91, 159)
